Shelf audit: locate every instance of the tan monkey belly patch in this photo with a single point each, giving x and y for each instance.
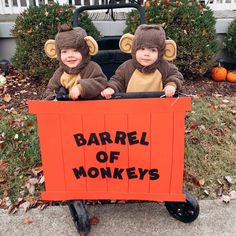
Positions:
(140, 82)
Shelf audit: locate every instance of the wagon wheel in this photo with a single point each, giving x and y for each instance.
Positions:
(80, 217)
(186, 211)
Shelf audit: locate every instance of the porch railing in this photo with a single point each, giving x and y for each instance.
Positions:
(18, 6)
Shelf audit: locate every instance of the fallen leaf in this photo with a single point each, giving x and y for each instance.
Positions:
(94, 220)
(38, 169)
(3, 80)
(28, 220)
(206, 192)
(19, 201)
(220, 191)
(33, 181)
(32, 200)
(121, 202)
(188, 131)
(42, 206)
(7, 97)
(2, 180)
(191, 178)
(41, 180)
(225, 198)
(3, 165)
(225, 101)
(217, 95)
(202, 127)
(12, 209)
(31, 123)
(193, 124)
(229, 179)
(31, 188)
(25, 206)
(201, 182)
(8, 201)
(223, 105)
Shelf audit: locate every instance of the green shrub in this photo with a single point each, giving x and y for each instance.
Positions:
(230, 39)
(33, 28)
(191, 26)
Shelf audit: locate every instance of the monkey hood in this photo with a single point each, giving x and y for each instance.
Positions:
(67, 37)
(149, 36)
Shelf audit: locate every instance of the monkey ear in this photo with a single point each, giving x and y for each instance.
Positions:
(170, 50)
(126, 42)
(50, 48)
(92, 45)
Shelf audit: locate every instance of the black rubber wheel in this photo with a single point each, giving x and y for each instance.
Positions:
(187, 211)
(80, 217)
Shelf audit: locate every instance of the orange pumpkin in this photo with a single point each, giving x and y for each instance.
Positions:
(231, 76)
(219, 73)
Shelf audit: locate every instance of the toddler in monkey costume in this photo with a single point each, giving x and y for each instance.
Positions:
(149, 69)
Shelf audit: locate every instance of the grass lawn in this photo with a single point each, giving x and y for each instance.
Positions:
(210, 152)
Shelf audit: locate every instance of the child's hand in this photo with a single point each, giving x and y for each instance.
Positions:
(107, 93)
(74, 93)
(169, 90)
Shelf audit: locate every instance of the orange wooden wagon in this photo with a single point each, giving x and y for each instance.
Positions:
(122, 149)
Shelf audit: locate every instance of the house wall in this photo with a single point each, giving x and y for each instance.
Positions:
(107, 28)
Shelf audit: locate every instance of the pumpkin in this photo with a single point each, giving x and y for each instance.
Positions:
(231, 76)
(219, 73)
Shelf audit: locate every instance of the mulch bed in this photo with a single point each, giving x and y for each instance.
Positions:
(19, 89)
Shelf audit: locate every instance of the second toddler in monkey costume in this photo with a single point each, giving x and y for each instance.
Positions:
(148, 70)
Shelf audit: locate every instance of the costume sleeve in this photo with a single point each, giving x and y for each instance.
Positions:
(53, 85)
(119, 81)
(92, 81)
(170, 74)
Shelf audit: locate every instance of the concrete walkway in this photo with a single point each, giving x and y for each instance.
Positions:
(134, 219)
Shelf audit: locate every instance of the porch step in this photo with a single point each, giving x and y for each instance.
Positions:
(105, 20)
(223, 20)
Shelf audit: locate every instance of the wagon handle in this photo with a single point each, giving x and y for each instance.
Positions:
(141, 95)
(62, 95)
(75, 20)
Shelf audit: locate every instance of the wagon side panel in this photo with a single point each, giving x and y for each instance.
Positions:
(161, 152)
(117, 122)
(74, 155)
(49, 130)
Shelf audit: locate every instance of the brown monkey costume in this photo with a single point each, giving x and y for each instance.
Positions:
(133, 77)
(88, 75)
